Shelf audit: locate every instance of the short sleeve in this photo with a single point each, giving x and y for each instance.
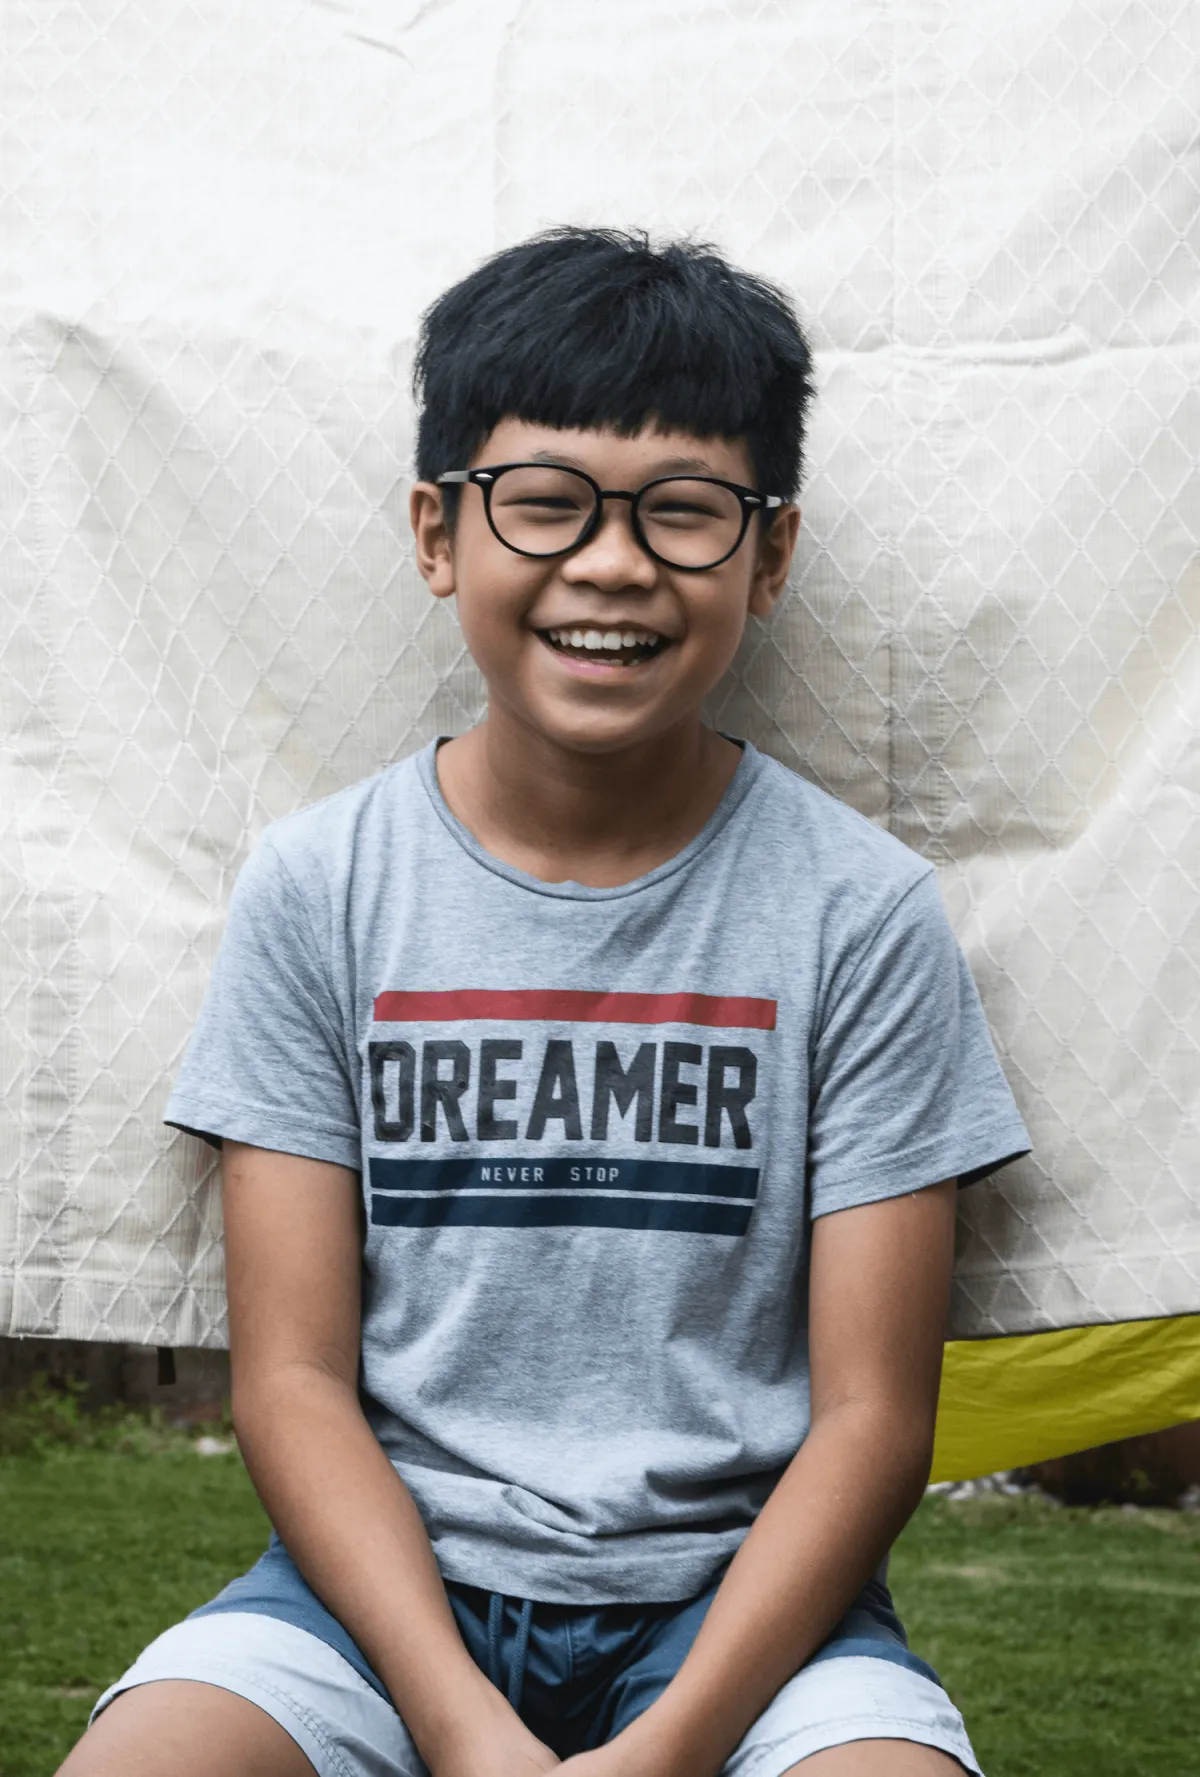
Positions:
(906, 1087)
(267, 1063)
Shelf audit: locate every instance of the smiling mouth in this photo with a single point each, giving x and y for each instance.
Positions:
(624, 647)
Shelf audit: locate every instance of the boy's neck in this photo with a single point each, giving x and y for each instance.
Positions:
(599, 819)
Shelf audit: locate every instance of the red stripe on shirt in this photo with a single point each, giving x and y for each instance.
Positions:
(567, 1005)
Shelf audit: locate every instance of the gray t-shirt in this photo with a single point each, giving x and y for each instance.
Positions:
(593, 1125)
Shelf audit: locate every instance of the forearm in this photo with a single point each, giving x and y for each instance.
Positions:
(823, 1532)
(352, 1528)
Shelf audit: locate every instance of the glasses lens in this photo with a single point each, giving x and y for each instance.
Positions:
(690, 523)
(541, 510)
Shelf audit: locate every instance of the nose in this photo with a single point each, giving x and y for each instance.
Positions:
(612, 558)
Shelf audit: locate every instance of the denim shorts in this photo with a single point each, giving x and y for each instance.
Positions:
(576, 1674)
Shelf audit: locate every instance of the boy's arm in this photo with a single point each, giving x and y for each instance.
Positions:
(293, 1267)
(878, 1301)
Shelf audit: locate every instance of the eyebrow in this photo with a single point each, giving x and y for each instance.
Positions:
(668, 466)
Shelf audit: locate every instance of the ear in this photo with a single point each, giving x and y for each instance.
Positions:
(435, 551)
(773, 558)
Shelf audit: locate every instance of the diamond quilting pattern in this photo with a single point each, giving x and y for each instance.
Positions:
(223, 223)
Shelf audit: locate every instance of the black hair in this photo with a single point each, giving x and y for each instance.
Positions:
(596, 327)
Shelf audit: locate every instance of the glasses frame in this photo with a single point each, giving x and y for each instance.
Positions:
(486, 476)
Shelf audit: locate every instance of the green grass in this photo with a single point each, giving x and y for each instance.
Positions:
(1068, 1638)
(100, 1551)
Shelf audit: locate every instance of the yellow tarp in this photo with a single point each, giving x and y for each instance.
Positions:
(1008, 1402)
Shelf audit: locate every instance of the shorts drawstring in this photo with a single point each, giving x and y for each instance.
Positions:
(516, 1672)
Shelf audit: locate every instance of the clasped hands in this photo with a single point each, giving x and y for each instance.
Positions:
(521, 1754)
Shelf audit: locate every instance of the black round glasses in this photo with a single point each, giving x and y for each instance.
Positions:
(691, 522)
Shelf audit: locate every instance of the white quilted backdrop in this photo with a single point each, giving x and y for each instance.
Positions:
(221, 219)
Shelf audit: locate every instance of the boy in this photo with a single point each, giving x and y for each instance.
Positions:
(588, 1418)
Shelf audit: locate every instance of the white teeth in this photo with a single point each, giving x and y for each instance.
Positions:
(609, 641)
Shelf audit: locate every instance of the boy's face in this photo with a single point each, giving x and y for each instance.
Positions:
(528, 622)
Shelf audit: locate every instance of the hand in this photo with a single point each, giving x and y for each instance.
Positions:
(501, 1746)
(647, 1747)
(620, 1758)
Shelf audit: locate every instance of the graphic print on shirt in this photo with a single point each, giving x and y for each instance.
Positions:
(566, 1108)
